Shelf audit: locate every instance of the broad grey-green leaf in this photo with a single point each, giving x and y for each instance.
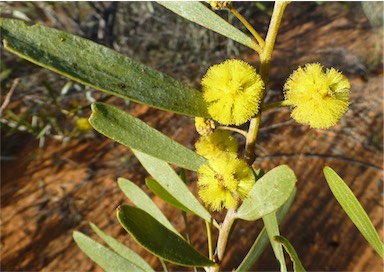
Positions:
(171, 182)
(99, 67)
(159, 240)
(200, 14)
(269, 192)
(144, 202)
(262, 239)
(122, 250)
(353, 209)
(106, 258)
(297, 266)
(134, 133)
(158, 190)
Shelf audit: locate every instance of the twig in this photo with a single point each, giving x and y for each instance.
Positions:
(7, 98)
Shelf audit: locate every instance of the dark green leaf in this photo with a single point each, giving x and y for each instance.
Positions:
(99, 67)
(198, 13)
(134, 133)
(353, 209)
(144, 202)
(297, 266)
(158, 190)
(270, 192)
(122, 250)
(157, 239)
(103, 256)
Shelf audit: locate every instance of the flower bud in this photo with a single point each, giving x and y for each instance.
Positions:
(219, 4)
(204, 126)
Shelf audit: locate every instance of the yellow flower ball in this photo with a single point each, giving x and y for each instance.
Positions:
(233, 91)
(223, 181)
(319, 99)
(216, 143)
(83, 125)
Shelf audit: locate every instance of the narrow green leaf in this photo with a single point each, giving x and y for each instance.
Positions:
(106, 258)
(272, 227)
(353, 209)
(134, 133)
(99, 67)
(262, 239)
(200, 14)
(158, 190)
(171, 182)
(157, 239)
(297, 266)
(144, 202)
(122, 250)
(268, 194)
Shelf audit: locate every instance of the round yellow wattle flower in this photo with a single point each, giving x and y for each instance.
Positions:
(83, 125)
(233, 91)
(223, 181)
(213, 144)
(319, 98)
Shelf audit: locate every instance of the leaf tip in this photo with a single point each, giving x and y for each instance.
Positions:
(118, 209)
(76, 234)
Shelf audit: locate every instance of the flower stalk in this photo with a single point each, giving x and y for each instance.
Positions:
(265, 60)
(274, 105)
(240, 131)
(250, 28)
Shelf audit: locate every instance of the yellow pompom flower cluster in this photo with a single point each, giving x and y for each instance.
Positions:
(225, 179)
(319, 98)
(83, 125)
(216, 143)
(233, 91)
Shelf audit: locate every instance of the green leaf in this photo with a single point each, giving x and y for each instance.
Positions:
(272, 227)
(270, 192)
(106, 258)
(158, 190)
(122, 250)
(99, 67)
(353, 209)
(134, 133)
(200, 14)
(171, 182)
(262, 239)
(157, 239)
(297, 266)
(144, 202)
